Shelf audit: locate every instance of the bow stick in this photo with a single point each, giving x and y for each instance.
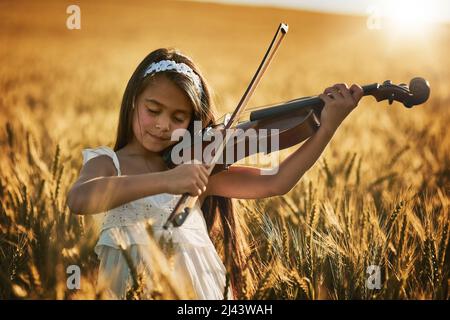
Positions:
(187, 202)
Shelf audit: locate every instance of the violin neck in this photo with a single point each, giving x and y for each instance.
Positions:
(306, 103)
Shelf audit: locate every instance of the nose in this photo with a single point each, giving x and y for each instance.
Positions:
(163, 125)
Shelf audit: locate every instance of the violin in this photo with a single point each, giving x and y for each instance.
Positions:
(294, 121)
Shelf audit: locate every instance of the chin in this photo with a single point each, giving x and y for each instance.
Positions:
(154, 148)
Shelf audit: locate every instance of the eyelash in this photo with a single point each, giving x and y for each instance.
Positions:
(157, 112)
(152, 111)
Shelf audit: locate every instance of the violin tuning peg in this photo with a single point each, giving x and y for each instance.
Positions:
(391, 99)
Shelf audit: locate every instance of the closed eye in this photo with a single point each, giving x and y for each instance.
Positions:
(179, 120)
(152, 111)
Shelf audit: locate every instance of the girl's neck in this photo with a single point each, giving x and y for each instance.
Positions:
(134, 148)
(139, 157)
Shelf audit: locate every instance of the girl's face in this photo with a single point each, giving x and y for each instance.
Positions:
(162, 108)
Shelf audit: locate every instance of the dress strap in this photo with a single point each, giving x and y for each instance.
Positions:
(88, 154)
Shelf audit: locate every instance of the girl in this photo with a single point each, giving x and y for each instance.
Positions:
(133, 182)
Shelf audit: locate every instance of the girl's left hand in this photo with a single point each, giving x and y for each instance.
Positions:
(339, 100)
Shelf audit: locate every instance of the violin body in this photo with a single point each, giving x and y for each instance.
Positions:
(257, 136)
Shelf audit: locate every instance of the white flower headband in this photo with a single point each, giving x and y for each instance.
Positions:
(183, 68)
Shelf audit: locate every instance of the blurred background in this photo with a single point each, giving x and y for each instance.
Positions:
(378, 195)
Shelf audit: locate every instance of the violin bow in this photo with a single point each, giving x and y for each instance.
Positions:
(187, 202)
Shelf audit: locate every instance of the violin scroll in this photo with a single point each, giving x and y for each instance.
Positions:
(416, 93)
(420, 89)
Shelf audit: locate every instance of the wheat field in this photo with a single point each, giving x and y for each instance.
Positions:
(377, 196)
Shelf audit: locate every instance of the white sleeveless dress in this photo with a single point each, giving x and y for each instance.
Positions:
(195, 255)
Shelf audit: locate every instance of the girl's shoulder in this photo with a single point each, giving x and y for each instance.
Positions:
(90, 153)
(104, 156)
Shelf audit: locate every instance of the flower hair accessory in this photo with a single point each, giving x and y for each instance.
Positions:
(166, 65)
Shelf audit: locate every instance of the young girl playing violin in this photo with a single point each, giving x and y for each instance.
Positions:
(133, 183)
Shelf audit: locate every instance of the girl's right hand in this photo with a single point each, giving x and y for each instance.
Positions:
(187, 178)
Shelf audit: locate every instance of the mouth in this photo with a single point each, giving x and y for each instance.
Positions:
(158, 138)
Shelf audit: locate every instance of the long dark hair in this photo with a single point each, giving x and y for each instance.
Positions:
(218, 211)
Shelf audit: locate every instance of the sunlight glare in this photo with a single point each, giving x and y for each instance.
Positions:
(410, 15)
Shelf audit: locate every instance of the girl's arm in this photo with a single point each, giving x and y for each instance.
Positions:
(98, 189)
(249, 183)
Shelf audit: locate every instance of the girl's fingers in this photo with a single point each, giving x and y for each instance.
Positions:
(195, 193)
(335, 94)
(196, 188)
(343, 89)
(204, 172)
(204, 178)
(200, 187)
(325, 98)
(341, 86)
(327, 92)
(357, 92)
(206, 167)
